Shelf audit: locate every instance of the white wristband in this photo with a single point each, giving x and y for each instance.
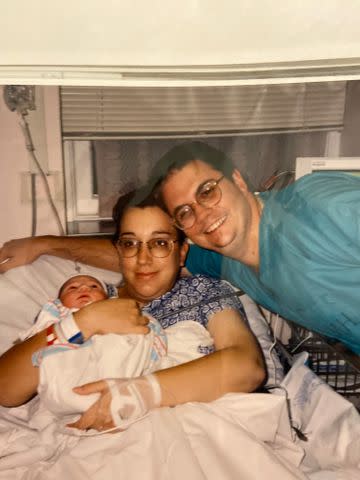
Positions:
(154, 382)
(134, 398)
(59, 333)
(71, 330)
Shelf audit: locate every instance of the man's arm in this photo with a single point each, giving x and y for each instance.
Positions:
(95, 251)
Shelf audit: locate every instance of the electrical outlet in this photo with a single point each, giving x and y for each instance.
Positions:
(20, 98)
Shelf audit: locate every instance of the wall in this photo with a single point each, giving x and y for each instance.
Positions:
(15, 205)
(258, 157)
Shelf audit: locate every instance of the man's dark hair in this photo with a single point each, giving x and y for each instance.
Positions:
(180, 156)
(140, 198)
(175, 159)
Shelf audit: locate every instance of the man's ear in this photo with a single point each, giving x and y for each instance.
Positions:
(183, 253)
(239, 181)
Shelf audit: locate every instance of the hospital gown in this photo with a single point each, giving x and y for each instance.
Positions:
(309, 256)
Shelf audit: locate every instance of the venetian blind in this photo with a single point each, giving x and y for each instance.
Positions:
(165, 111)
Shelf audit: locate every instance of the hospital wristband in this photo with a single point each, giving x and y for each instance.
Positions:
(59, 334)
(51, 335)
(70, 330)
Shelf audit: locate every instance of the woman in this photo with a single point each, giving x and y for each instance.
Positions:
(151, 281)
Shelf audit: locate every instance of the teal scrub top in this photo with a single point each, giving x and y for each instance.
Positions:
(309, 256)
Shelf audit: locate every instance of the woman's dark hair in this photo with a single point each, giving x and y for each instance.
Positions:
(139, 198)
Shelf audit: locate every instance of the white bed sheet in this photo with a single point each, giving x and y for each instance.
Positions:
(245, 436)
(236, 437)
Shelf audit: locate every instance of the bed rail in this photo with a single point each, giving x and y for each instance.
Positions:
(330, 360)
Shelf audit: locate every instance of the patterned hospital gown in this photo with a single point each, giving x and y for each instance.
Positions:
(194, 298)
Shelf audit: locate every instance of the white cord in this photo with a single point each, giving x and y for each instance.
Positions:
(30, 147)
(273, 330)
(300, 343)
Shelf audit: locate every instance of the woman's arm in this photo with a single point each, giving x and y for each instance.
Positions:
(19, 378)
(99, 252)
(236, 366)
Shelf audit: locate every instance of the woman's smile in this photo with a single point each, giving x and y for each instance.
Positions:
(145, 275)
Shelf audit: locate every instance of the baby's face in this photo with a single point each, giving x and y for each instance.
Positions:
(80, 291)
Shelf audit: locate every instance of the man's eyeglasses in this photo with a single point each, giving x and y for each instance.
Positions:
(158, 247)
(207, 195)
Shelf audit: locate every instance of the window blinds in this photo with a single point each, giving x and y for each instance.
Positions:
(126, 112)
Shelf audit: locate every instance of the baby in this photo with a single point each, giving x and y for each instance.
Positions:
(65, 364)
(55, 315)
(80, 290)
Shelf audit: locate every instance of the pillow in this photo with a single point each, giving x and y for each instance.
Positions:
(266, 339)
(23, 291)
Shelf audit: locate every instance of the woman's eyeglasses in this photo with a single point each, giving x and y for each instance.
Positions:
(158, 247)
(207, 195)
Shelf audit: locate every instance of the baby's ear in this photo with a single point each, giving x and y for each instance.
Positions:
(239, 181)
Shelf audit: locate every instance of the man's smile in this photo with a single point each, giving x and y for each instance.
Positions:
(216, 224)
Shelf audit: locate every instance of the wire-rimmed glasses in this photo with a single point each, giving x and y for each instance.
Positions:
(158, 247)
(207, 195)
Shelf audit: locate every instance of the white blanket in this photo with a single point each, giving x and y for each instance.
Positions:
(242, 436)
(238, 436)
(109, 356)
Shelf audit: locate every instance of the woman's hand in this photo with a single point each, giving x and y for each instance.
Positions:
(115, 315)
(98, 416)
(122, 401)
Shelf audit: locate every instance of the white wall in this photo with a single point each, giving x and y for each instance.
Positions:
(15, 206)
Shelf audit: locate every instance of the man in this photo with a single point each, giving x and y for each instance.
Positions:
(295, 251)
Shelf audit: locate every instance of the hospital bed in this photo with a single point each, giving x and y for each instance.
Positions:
(330, 360)
(303, 429)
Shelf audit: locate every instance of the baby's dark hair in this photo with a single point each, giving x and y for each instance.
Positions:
(140, 198)
(180, 156)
